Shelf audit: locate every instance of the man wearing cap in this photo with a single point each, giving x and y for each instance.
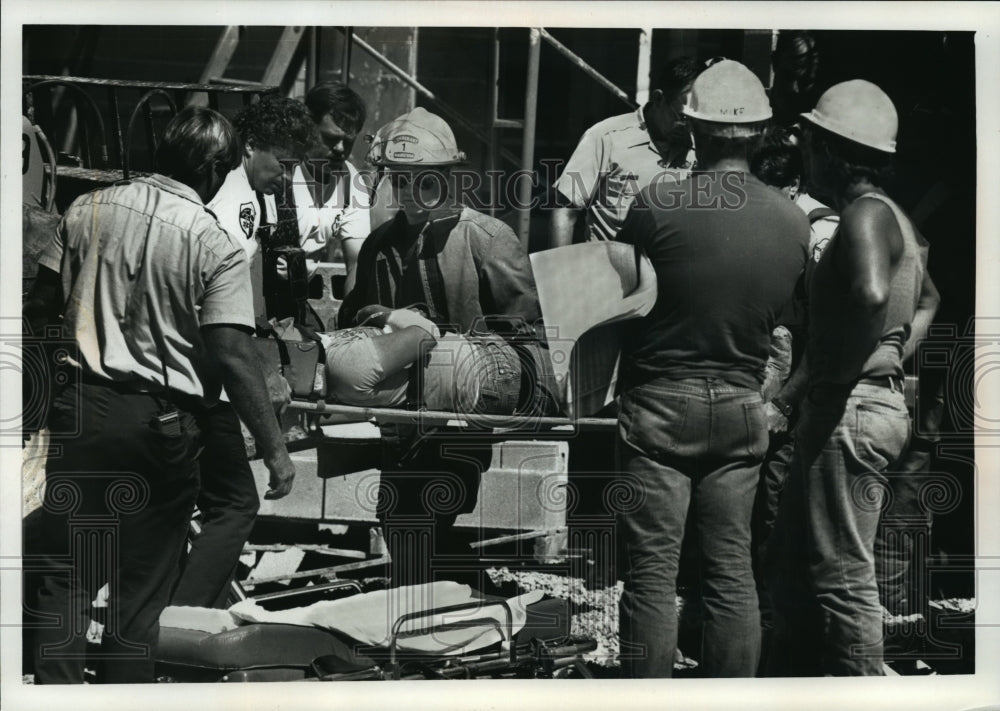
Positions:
(868, 291)
(623, 154)
(467, 272)
(692, 429)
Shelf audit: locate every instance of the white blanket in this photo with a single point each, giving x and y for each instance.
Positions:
(368, 618)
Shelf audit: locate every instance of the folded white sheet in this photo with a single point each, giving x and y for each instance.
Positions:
(368, 618)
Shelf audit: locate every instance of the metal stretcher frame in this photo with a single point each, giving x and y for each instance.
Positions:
(500, 424)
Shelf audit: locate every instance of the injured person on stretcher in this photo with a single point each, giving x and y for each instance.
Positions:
(399, 357)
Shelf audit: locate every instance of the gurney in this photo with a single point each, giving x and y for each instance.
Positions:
(441, 630)
(213, 645)
(584, 338)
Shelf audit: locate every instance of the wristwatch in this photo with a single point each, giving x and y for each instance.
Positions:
(785, 408)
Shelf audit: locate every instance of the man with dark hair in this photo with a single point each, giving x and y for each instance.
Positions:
(620, 155)
(157, 297)
(868, 295)
(331, 200)
(691, 428)
(275, 134)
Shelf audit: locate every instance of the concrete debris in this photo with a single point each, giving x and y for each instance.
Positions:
(277, 563)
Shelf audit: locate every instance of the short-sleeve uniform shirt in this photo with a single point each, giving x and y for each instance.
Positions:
(239, 212)
(144, 266)
(615, 159)
(344, 216)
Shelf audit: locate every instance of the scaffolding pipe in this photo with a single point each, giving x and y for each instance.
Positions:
(312, 58)
(420, 88)
(587, 69)
(391, 66)
(528, 146)
(345, 64)
(491, 149)
(642, 73)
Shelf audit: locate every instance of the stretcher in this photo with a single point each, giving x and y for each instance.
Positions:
(363, 637)
(584, 339)
(208, 645)
(585, 292)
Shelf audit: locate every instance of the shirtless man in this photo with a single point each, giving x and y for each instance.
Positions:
(868, 295)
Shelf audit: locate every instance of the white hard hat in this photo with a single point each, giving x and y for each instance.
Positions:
(418, 137)
(728, 96)
(858, 111)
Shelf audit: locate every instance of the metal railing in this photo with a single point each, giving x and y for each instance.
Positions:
(526, 160)
(82, 90)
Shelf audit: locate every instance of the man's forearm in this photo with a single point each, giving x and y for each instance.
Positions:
(927, 307)
(562, 225)
(795, 387)
(244, 383)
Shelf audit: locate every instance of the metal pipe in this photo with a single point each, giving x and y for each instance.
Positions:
(67, 82)
(345, 64)
(391, 66)
(46, 79)
(147, 116)
(491, 152)
(587, 69)
(528, 145)
(143, 102)
(411, 99)
(444, 108)
(116, 125)
(642, 73)
(312, 58)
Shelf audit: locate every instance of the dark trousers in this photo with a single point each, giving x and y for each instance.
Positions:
(428, 479)
(118, 499)
(228, 501)
(773, 473)
(688, 448)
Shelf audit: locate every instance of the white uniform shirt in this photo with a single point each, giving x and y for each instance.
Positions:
(344, 216)
(236, 207)
(821, 230)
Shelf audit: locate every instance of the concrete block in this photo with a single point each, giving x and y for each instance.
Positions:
(351, 497)
(524, 488)
(306, 498)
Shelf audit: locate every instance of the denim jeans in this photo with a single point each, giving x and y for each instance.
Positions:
(695, 446)
(820, 561)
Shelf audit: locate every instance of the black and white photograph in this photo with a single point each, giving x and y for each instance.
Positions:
(507, 344)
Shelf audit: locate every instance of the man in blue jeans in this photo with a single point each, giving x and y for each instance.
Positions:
(692, 431)
(866, 297)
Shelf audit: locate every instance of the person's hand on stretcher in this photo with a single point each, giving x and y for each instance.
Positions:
(396, 319)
